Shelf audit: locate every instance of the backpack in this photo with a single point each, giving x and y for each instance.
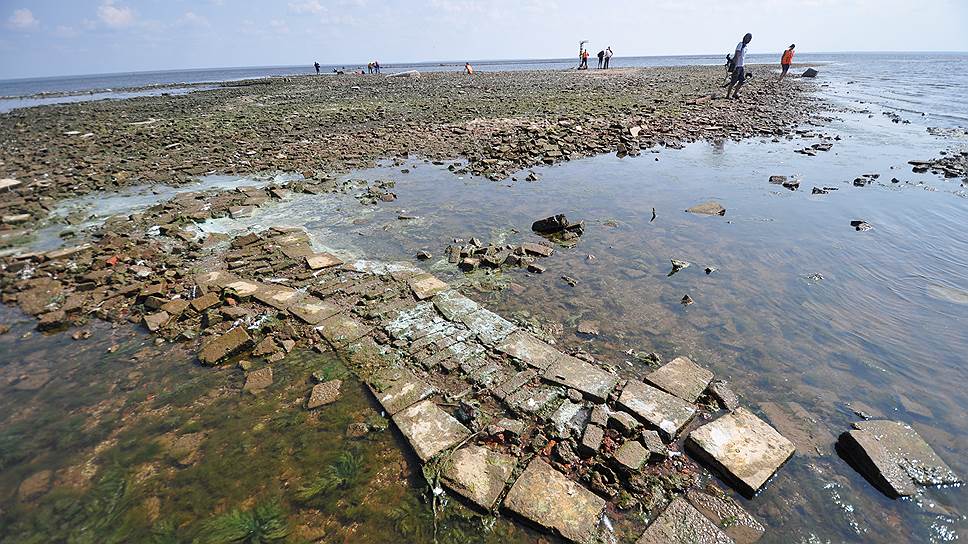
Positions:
(730, 64)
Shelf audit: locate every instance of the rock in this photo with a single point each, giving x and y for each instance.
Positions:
(570, 280)
(342, 329)
(709, 270)
(16, 219)
(664, 412)
(175, 307)
(323, 394)
(398, 388)
(257, 380)
(33, 381)
(594, 382)
(425, 286)
(547, 498)
(809, 72)
(623, 422)
(861, 225)
(682, 523)
(678, 265)
(591, 440)
(205, 302)
(686, 300)
(223, 346)
(423, 255)
(453, 305)
(682, 378)
(631, 455)
(514, 383)
(320, 261)
(154, 322)
(723, 395)
(742, 447)
(818, 191)
(778, 180)
(557, 224)
(728, 514)
(52, 320)
(653, 442)
(708, 208)
(312, 310)
(7, 184)
(536, 268)
(894, 457)
(478, 474)
(563, 419)
(599, 415)
(537, 249)
(35, 485)
(429, 429)
(792, 184)
(588, 327)
(490, 328)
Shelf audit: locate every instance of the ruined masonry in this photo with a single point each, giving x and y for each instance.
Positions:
(506, 420)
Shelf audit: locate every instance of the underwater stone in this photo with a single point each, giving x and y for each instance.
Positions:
(224, 346)
(681, 522)
(478, 474)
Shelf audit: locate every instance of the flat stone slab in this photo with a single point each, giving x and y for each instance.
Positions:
(324, 393)
(342, 329)
(478, 474)
(429, 429)
(682, 378)
(708, 208)
(894, 457)
(682, 523)
(524, 347)
(727, 514)
(453, 305)
(548, 498)
(215, 278)
(398, 388)
(223, 346)
(631, 455)
(665, 412)
(532, 401)
(572, 372)
(257, 380)
(242, 288)
(319, 261)
(742, 447)
(313, 310)
(277, 296)
(425, 286)
(489, 327)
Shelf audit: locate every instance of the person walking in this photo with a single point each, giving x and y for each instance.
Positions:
(601, 56)
(608, 55)
(316, 64)
(786, 60)
(739, 70)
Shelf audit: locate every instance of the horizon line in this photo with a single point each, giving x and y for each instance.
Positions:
(445, 63)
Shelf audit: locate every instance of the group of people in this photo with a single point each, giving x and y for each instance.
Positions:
(373, 67)
(738, 59)
(603, 57)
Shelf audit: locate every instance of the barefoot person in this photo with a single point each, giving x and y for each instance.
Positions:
(786, 60)
(739, 70)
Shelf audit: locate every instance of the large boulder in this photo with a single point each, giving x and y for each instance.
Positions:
(809, 72)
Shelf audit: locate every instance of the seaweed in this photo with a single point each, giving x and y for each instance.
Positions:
(341, 474)
(264, 523)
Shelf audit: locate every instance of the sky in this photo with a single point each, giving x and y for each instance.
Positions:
(68, 37)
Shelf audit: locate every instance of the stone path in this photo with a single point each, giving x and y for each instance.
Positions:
(504, 420)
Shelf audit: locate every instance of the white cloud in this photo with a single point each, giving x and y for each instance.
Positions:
(306, 6)
(193, 19)
(113, 15)
(23, 19)
(64, 31)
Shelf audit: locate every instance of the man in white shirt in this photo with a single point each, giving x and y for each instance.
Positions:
(739, 71)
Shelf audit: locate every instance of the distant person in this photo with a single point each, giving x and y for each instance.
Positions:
(739, 70)
(608, 56)
(468, 69)
(369, 68)
(601, 57)
(316, 64)
(376, 67)
(584, 60)
(786, 60)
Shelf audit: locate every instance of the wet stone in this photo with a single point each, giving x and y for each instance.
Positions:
(631, 455)
(667, 413)
(154, 322)
(425, 286)
(524, 347)
(723, 395)
(653, 442)
(478, 474)
(323, 394)
(726, 513)
(682, 378)
(681, 522)
(223, 346)
(894, 457)
(594, 382)
(708, 208)
(546, 497)
(623, 422)
(341, 329)
(429, 429)
(398, 388)
(742, 447)
(257, 380)
(591, 440)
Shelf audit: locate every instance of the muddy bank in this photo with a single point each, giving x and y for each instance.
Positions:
(499, 122)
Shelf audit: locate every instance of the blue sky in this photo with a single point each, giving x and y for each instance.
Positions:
(60, 37)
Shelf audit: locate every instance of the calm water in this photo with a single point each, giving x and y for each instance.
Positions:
(882, 331)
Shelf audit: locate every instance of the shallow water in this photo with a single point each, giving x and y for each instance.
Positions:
(882, 332)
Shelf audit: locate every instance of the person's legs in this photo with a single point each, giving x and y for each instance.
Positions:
(606, 62)
(783, 72)
(739, 77)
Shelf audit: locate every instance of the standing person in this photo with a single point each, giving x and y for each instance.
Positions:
(369, 67)
(608, 56)
(468, 69)
(601, 55)
(739, 70)
(316, 64)
(786, 60)
(584, 60)
(376, 66)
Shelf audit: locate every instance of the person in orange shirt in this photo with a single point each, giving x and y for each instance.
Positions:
(786, 60)
(468, 69)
